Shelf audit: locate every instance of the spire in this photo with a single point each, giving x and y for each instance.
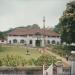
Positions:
(44, 22)
(44, 29)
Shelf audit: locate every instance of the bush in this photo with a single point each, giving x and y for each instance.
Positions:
(62, 50)
(45, 59)
(13, 61)
(31, 62)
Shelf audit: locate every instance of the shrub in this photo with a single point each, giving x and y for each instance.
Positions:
(45, 59)
(13, 61)
(31, 62)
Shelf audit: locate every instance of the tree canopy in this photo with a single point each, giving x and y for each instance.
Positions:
(67, 24)
(1, 35)
(34, 26)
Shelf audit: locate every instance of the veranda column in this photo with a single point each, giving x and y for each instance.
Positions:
(33, 43)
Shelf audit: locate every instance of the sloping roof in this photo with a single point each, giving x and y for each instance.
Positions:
(24, 31)
(2, 39)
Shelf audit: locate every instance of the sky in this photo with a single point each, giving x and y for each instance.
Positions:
(15, 13)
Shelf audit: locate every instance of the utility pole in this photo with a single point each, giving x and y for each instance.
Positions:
(44, 30)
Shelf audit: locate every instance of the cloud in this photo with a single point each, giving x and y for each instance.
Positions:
(14, 13)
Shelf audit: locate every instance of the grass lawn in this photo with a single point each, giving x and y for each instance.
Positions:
(20, 51)
(7, 53)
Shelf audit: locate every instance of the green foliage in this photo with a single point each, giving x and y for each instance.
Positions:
(66, 24)
(15, 56)
(62, 50)
(12, 61)
(45, 59)
(34, 26)
(31, 62)
(0, 63)
(57, 28)
(2, 35)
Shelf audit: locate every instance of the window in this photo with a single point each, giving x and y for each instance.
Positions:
(58, 43)
(14, 41)
(9, 41)
(22, 41)
(48, 41)
(30, 42)
(53, 42)
(2, 40)
(57, 36)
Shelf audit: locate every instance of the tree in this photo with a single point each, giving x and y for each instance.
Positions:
(67, 24)
(34, 26)
(57, 28)
(2, 35)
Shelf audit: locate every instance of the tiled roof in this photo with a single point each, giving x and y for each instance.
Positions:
(3, 39)
(24, 31)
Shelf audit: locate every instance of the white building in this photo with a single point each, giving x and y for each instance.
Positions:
(33, 37)
(3, 41)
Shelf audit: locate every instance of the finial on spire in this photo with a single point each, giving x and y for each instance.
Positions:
(43, 18)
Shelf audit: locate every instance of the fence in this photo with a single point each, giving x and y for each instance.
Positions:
(21, 71)
(31, 71)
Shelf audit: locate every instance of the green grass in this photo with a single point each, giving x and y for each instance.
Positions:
(61, 50)
(20, 51)
(15, 55)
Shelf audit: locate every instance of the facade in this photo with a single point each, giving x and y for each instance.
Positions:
(33, 37)
(3, 41)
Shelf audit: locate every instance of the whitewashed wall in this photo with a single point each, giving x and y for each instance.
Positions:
(3, 42)
(33, 38)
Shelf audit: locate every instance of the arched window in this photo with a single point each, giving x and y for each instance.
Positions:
(22, 41)
(30, 42)
(53, 42)
(14, 41)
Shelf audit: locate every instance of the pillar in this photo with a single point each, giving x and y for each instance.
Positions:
(72, 62)
(59, 68)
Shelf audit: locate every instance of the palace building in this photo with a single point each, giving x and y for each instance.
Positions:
(33, 37)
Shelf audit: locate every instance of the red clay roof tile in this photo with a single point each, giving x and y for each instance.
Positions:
(24, 31)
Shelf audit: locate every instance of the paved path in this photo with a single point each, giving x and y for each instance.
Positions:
(65, 62)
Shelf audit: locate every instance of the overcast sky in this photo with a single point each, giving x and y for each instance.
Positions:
(14, 13)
